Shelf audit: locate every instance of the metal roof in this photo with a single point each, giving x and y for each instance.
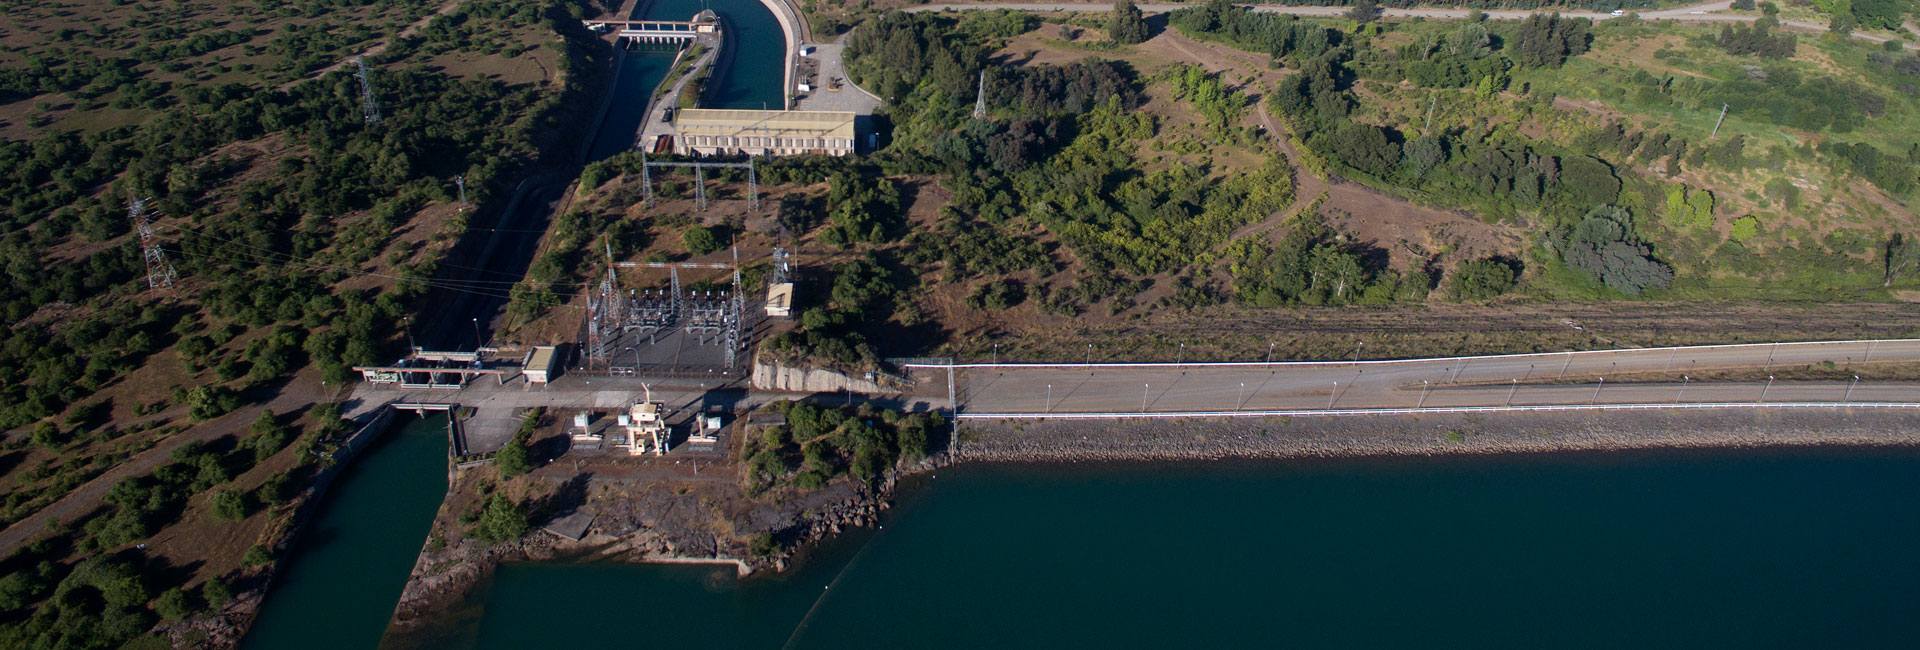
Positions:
(718, 121)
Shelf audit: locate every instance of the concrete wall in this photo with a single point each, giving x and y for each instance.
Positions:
(773, 376)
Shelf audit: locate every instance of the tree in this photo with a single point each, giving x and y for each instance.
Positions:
(1364, 11)
(1480, 280)
(501, 521)
(1127, 25)
(516, 457)
(1603, 245)
(701, 240)
(1547, 40)
(1902, 253)
(173, 604)
(230, 505)
(1423, 154)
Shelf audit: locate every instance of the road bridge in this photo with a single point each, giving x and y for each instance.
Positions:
(1562, 380)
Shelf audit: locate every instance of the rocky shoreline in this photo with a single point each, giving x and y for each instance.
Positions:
(436, 596)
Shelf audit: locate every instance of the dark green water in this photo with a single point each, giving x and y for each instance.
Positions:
(748, 76)
(350, 564)
(1792, 549)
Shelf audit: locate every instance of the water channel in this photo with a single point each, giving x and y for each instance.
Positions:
(349, 565)
(749, 75)
(1767, 549)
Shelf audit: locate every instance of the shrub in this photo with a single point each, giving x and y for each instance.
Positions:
(230, 505)
(701, 240)
(1480, 280)
(502, 520)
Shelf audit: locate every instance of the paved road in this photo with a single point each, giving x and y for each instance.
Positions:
(1702, 12)
(1554, 378)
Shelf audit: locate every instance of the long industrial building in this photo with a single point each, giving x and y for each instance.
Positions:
(708, 132)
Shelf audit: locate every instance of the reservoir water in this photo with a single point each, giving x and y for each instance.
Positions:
(1769, 549)
(349, 565)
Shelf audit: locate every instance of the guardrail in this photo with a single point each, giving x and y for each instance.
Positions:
(1094, 415)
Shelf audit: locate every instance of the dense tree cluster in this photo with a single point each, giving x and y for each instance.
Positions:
(1547, 40)
(861, 295)
(1315, 265)
(1758, 40)
(1277, 34)
(1603, 245)
(1480, 280)
(819, 443)
(1126, 24)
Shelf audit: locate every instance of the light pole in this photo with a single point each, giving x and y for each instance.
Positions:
(1269, 352)
(1356, 350)
(1423, 395)
(1683, 388)
(1332, 395)
(1181, 356)
(996, 354)
(1849, 395)
(1240, 400)
(1511, 391)
(1596, 392)
(1563, 367)
(1764, 389)
(1143, 396)
(476, 333)
(1089, 356)
(1049, 398)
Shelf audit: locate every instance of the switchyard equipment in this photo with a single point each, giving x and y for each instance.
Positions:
(780, 286)
(710, 317)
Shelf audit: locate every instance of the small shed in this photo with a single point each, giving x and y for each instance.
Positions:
(780, 300)
(538, 366)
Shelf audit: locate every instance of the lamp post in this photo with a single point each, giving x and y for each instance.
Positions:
(1181, 356)
(1423, 394)
(1143, 396)
(1332, 395)
(1596, 392)
(1683, 388)
(476, 333)
(1240, 399)
(1764, 389)
(1356, 350)
(1511, 391)
(1269, 352)
(1049, 398)
(1849, 395)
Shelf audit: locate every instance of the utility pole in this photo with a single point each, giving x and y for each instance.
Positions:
(1716, 123)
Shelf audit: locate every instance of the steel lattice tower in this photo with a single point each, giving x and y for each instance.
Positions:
(368, 108)
(160, 274)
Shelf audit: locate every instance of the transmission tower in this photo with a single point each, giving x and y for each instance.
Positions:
(160, 274)
(780, 267)
(980, 98)
(368, 108)
(461, 181)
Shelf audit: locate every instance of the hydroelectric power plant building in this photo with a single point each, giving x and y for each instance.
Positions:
(725, 132)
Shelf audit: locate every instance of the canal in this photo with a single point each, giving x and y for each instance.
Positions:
(346, 571)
